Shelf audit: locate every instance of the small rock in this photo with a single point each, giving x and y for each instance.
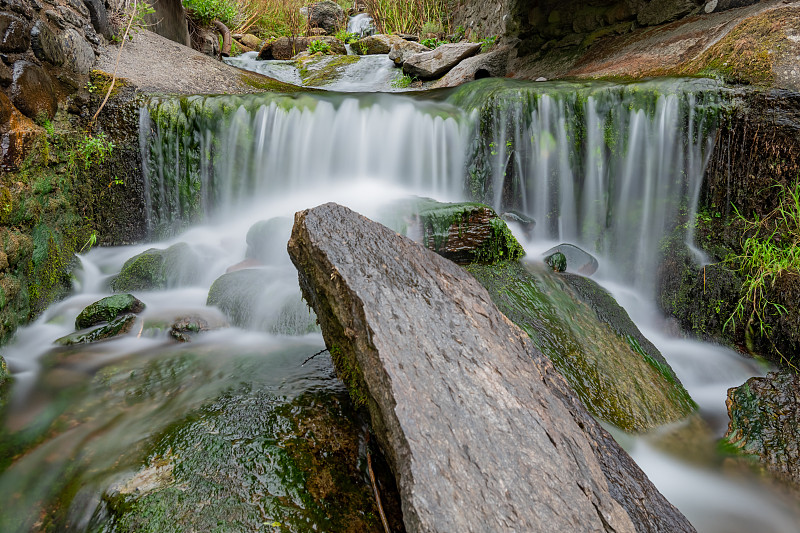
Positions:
(14, 36)
(6, 77)
(576, 260)
(107, 309)
(540, 78)
(408, 37)
(326, 15)
(184, 329)
(317, 32)
(55, 18)
(32, 90)
(557, 261)
(402, 51)
(80, 7)
(117, 327)
(436, 63)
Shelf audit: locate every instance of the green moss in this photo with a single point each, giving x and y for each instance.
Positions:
(350, 375)
(501, 246)
(322, 70)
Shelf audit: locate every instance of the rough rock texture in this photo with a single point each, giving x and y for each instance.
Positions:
(169, 21)
(377, 44)
(32, 90)
(402, 51)
(657, 12)
(715, 6)
(326, 15)
(490, 65)
(285, 48)
(765, 422)
(481, 431)
(618, 374)
(107, 309)
(436, 63)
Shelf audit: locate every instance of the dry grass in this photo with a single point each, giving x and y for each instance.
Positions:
(409, 16)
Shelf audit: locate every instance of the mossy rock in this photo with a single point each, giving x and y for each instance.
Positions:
(619, 375)
(266, 240)
(557, 261)
(158, 269)
(319, 70)
(107, 309)
(464, 232)
(117, 327)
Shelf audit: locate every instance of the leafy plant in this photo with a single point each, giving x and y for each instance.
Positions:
(488, 42)
(319, 46)
(432, 43)
(347, 37)
(90, 150)
(403, 82)
(206, 11)
(458, 35)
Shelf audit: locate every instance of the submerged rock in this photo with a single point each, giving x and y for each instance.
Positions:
(119, 326)
(156, 269)
(436, 63)
(462, 232)
(477, 424)
(266, 240)
(526, 223)
(618, 374)
(107, 309)
(765, 422)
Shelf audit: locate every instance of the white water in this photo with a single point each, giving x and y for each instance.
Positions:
(361, 25)
(274, 157)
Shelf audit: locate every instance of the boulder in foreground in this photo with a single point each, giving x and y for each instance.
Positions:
(481, 431)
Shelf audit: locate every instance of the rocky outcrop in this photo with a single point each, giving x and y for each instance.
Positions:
(765, 422)
(107, 309)
(490, 65)
(436, 63)
(459, 397)
(403, 50)
(327, 15)
(284, 48)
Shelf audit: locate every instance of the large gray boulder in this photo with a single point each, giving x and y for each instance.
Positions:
(436, 63)
(482, 433)
(404, 49)
(491, 65)
(326, 15)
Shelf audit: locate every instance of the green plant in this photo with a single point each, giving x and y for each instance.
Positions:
(347, 37)
(458, 35)
(89, 243)
(432, 26)
(432, 42)
(403, 81)
(771, 248)
(206, 11)
(402, 16)
(319, 46)
(90, 150)
(488, 42)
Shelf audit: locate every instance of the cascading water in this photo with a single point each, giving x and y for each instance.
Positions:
(361, 24)
(608, 167)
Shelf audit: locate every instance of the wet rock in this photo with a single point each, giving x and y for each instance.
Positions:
(402, 51)
(119, 326)
(618, 374)
(46, 44)
(266, 240)
(248, 298)
(14, 35)
(107, 309)
(660, 11)
(557, 261)
(19, 136)
(491, 65)
(79, 55)
(765, 422)
(320, 70)
(436, 63)
(156, 269)
(463, 232)
(99, 17)
(326, 15)
(184, 329)
(32, 90)
(377, 44)
(575, 259)
(526, 223)
(460, 397)
(285, 48)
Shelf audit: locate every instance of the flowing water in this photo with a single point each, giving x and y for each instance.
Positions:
(611, 168)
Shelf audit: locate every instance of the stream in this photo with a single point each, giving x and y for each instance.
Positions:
(607, 167)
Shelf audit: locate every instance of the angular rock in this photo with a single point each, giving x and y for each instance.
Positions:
(285, 48)
(480, 430)
(491, 65)
(107, 309)
(576, 260)
(157, 269)
(14, 34)
(70, 16)
(618, 374)
(19, 135)
(55, 18)
(402, 51)
(99, 17)
(46, 44)
(377, 44)
(462, 232)
(79, 55)
(32, 91)
(765, 422)
(326, 15)
(117, 327)
(436, 63)
(6, 75)
(79, 7)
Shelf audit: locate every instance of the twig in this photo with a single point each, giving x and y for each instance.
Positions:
(313, 356)
(116, 65)
(375, 488)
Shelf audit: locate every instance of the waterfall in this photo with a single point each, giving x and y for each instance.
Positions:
(609, 167)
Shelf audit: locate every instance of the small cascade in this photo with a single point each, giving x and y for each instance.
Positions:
(361, 24)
